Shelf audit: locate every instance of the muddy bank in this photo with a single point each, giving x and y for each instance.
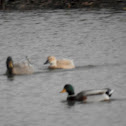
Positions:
(60, 4)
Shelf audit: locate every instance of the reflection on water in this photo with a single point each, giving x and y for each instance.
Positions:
(94, 39)
(70, 104)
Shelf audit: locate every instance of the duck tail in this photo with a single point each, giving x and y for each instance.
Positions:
(109, 92)
(29, 62)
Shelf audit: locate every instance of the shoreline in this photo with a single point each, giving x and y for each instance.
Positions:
(60, 4)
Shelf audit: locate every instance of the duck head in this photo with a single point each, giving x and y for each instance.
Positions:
(9, 64)
(51, 60)
(69, 89)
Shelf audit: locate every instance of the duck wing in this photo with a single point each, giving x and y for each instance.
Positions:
(64, 62)
(21, 65)
(22, 68)
(94, 92)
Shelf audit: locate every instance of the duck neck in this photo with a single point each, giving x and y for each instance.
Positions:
(71, 93)
(9, 70)
(53, 63)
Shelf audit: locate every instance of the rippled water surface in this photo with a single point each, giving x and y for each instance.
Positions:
(94, 39)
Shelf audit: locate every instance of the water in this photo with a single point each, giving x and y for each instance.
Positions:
(94, 39)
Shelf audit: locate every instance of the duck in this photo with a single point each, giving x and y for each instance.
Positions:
(59, 64)
(18, 68)
(87, 95)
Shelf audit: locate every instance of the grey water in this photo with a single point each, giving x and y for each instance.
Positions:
(94, 39)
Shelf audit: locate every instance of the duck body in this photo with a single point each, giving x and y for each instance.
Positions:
(88, 95)
(18, 68)
(22, 68)
(59, 64)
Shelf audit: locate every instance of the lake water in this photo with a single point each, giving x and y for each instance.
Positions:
(94, 39)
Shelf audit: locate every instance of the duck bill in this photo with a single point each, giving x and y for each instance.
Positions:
(10, 64)
(63, 91)
(46, 62)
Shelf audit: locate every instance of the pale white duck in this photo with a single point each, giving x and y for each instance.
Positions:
(59, 64)
(18, 68)
(88, 95)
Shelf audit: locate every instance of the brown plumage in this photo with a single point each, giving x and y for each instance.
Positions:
(19, 68)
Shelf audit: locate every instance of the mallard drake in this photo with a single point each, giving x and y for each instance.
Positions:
(59, 64)
(88, 95)
(19, 68)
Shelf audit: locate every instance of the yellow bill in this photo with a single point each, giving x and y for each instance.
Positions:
(10, 64)
(64, 90)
